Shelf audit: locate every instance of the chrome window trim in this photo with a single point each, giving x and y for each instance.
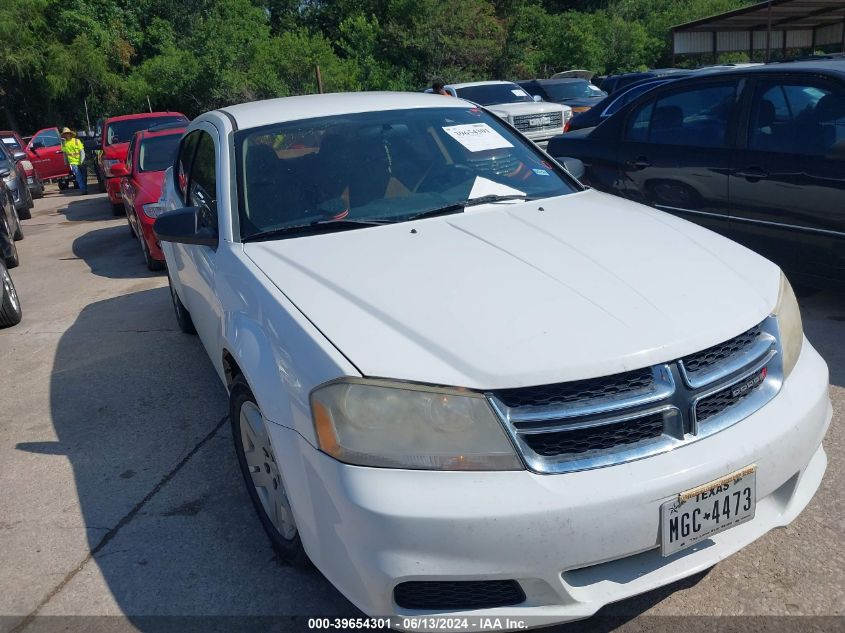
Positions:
(780, 225)
(677, 404)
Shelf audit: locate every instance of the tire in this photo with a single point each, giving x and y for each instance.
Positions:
(10, 307)
(62, 185)
(117, 209)
(183, 317)
(258, 466)
(18, 229)
(152, 263)
(13, 260)
(39, 189)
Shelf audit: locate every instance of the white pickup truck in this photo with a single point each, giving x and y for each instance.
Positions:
(538, 120)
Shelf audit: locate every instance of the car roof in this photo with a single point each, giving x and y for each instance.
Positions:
(813, 67)
(472, 84)
(258, 113)
(163, 131)
(140, 115)
(562, 80)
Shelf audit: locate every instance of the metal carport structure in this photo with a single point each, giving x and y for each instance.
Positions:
(775, 25)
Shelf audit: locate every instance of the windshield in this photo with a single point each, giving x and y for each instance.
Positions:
(492, 94)
(123, 131)
(158, 152)
(12, 143)
(386, 166)
(570, 90)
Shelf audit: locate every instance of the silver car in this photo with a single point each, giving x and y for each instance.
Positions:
(14, 177)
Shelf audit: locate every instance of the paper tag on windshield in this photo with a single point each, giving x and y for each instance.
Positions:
(10, 140)
(520, 93)
(477, 137)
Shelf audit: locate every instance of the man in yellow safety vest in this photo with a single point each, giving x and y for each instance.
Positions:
(75, 153)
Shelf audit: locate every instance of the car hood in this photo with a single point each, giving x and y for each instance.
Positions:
(149, 183)
(512, 295)
(581, 101)
(534, 107)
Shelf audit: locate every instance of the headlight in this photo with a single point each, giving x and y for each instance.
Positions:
(380, 423)
(789, 324)
(108, 163)
(153, 209)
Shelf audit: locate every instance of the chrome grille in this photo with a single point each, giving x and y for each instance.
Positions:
(604, 421)
(532, 122)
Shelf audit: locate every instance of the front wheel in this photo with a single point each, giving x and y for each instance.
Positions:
(12, 258)
(151, 262)
(10, 307)
(183, 317)
(263, 476)
(117, 209)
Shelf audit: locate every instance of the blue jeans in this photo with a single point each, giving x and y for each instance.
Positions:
(80, 172)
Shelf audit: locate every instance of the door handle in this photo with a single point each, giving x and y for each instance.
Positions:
(752, 174)
(58, 151)
(640, 162)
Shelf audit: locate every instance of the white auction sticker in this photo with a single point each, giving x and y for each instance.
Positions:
(477, 137)
(10, 140)
(520, 93)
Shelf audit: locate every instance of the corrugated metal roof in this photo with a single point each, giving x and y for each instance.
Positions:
(804, 23)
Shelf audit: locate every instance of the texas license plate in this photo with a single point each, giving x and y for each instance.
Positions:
(699, 513)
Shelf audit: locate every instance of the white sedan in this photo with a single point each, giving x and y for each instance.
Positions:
(461, 383)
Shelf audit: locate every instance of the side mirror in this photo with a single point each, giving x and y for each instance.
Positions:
(574, 166)
(537, 98)
(37, 145)
(836, 151)
(19, 155)
(5, 173)
(182, 226)
(119, 169)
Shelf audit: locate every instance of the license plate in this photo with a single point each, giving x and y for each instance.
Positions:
(699, 513)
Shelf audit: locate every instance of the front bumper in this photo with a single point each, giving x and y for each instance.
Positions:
(574, 542)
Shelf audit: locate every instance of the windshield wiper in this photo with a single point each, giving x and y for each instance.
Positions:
(463, 204)
(318, 226)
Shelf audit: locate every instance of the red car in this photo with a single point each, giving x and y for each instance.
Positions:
(141, 177)
(44, 151)
(117, 132)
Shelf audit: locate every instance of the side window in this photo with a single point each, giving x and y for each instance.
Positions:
(637, 130)
(796, 117)
(695, 117)
(202, 185)
(187, 149)
(48, 138)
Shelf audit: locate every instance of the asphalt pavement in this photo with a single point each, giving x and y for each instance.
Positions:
(119, 489)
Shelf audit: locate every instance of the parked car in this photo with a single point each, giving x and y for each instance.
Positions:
(117, 132)
(536, 120)
(45, 153)
(10, 226)
(757, 154)
(11, 164)
(10, 306)
(611, 103)
(141, 176)
(613, 83)
(457, 390)
(578, 94)
(13, 142)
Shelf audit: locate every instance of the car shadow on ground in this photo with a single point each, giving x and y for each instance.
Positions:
(113, 252)
(93, 207)
(823, 316)
(140, 414)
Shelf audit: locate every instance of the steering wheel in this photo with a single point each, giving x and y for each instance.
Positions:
(444, 176)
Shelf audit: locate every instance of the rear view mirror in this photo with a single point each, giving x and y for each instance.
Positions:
(182, 226)
(574, 166)
(19, 155)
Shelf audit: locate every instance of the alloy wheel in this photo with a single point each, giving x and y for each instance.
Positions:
(264, 471)
(9, 288)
